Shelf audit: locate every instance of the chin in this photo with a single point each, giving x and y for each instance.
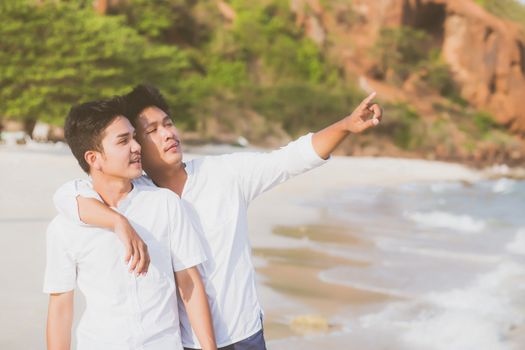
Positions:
(173, 159)
(135, 174)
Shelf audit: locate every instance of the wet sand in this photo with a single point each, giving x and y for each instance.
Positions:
(294, 273)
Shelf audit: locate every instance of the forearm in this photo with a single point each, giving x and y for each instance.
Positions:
(327, 140)
(58, 334)
(71, 202)
(93, 212)
(195, 300)
(96, 213)
(59, 323)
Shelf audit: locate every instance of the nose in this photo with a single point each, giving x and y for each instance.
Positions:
(135, 146)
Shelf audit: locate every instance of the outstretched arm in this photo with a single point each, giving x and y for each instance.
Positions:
(258, 172)
(366, 115)
(193, 295)
(59, 321)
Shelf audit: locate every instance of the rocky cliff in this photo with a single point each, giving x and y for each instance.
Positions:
(486, 54)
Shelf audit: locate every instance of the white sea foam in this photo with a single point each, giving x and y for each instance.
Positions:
(326, 277)
(504, 186)
(441, 187)
(439, 219)
(394, 246)
(517, 246)
(478, 317)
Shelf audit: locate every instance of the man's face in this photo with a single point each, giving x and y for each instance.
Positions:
(121, 152)
(159, 139)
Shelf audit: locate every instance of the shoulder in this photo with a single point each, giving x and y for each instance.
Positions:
(55, 226)
(60, 223)
(59, 226)
(144, 180)
(150, 195)
(216, 159)
(223, 162)
(153, 192)
(237, 156)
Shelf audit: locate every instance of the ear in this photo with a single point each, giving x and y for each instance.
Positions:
(93, 158)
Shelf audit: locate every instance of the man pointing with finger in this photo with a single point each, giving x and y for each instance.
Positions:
(217, 191)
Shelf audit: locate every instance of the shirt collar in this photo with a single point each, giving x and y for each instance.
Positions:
(124, 203)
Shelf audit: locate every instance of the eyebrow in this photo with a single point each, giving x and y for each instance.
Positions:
(155, 122)
(123, 135)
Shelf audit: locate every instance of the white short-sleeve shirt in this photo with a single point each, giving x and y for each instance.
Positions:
(217, 194)
(124, 312)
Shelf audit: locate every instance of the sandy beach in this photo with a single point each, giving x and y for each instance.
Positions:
(301, 310)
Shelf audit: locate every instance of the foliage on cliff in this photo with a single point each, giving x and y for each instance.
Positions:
(57, 54)
(508, 9)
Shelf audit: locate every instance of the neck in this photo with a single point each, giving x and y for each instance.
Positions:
(111, 189)
(173, 177)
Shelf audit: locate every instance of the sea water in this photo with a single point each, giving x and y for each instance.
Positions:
(452, 253)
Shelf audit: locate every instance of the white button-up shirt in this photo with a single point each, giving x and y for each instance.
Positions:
(217, 194)
(124, 312)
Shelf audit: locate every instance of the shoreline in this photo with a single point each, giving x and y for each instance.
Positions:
(283, 229)
(491, 171)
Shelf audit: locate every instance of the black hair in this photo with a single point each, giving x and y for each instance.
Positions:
(85, 125)
(141, 97)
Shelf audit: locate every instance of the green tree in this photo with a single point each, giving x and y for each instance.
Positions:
(61, 53)
(167, 21)
(302, 106)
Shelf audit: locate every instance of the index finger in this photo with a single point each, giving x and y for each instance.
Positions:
(144, 260)
(367, 101)
(129, 253)
(136, 259)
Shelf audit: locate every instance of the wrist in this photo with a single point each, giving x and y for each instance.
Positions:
(345, 126)
(119, 221)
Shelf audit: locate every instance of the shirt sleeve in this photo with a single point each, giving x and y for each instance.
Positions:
(259, 172)
(65, 198)
(185, 241)
(60, 274)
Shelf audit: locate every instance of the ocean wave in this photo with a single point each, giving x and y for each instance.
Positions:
(517, 246)
(440, 187)
(439, 219)
(395, 246)
(480, 316)
(504, 186)
(326, 276)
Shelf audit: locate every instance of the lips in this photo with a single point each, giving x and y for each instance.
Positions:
(172, 146)
(135, 160)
